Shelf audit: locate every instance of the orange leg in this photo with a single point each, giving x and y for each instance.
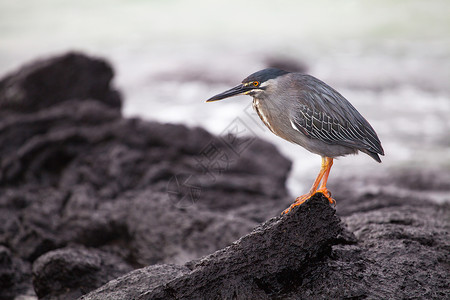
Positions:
(323, 187)
(327, 162)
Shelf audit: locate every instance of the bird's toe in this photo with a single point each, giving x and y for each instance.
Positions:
(327, 194)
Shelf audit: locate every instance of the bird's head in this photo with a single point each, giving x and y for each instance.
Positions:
(254, 85)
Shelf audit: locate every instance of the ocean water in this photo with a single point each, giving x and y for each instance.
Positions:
(391, 59)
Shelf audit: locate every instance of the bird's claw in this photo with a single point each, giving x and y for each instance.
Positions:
(327, 194)
(300, 200)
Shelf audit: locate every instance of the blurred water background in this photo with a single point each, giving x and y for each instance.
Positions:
(391, 59)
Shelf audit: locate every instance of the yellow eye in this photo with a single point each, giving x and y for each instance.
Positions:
(255, 83)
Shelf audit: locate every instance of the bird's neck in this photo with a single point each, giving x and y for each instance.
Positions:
(263, 112)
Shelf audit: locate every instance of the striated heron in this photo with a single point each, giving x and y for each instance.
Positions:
(306, 111)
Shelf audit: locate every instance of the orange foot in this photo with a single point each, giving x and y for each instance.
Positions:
(300, 200)
(327, 195)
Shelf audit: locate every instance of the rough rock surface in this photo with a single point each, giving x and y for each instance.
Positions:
(74, 172)
(15, 275)
(269, 261)
(84, 190)
(47, 82)
(71, 272)
(139, 281)
(396, 254)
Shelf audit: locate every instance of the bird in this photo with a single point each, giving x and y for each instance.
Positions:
(308, 112)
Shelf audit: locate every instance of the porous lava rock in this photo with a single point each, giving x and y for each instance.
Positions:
(75, 173)
(87, 192)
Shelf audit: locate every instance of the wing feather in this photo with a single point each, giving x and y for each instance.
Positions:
(322, 113)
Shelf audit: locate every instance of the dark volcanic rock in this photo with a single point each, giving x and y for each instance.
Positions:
(149, 230)
(139, 282)
(86, 192)
(269, 261)
(73, 171)
(403, 187)
(71, 272)
(15, 277)
(400, 253)
(50, 81)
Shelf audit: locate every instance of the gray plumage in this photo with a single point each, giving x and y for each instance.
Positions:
(304, 110)
(308, 112)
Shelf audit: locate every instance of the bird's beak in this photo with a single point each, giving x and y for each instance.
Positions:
(237, 90)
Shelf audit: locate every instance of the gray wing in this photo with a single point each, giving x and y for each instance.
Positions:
(322, 113)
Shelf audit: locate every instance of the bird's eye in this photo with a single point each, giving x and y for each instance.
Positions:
(255, 83)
